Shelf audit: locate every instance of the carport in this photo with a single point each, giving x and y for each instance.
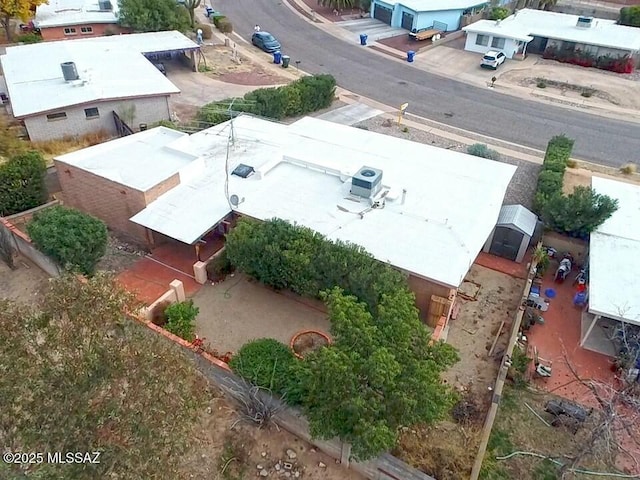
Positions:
(513, 232)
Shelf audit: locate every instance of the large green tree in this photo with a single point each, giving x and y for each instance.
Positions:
(76, 375)
(579, 213)
(153, 15)
(630, 16)
(381, 373)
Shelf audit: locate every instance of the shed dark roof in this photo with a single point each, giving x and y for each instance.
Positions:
(519, 218)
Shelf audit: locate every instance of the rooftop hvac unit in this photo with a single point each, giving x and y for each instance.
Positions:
(69, 71)
(584, 22)
(367, 182)
(105, 5)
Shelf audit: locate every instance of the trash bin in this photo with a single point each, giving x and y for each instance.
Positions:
(363, 39)
(410, 55)
(208, 11)
(285, 61)
(277, 58)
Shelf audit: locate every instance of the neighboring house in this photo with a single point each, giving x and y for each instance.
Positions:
(614, 263)
(421, 14)
(69, 19)
(428, 215)
(64, 88)
(584, 41)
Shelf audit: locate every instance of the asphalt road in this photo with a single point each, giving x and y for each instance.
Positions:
(597, 139)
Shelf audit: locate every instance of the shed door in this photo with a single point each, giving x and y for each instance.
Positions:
(407, 21)
(506, 243)
(383, 14)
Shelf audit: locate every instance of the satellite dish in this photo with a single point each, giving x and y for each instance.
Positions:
(234, 200)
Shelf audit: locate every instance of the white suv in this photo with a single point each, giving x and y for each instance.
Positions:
(492, 59)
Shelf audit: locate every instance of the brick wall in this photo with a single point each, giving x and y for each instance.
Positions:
(147, 110)
(99, 30)
(111, 202)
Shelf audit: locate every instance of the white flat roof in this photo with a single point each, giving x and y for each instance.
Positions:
(110, 68)
(154, 161)
(614, 255)
(529, 23)
(303, 175)
(436, 5)
(60, 13)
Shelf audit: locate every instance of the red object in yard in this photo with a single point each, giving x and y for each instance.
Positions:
(581, 287)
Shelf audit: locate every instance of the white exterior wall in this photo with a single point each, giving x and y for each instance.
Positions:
(147, 110)
(510, 45)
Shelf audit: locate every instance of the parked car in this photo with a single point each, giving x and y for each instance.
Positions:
(492, 59)
(265, 41)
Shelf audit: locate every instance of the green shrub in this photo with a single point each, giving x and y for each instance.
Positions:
(295, 258)
(499, 13)
(541, 83)
(219, 267)
(216, 17)
(551, 177)
(481, 150)
(30, 37)
(224, 25)
(265, 362)
(75, 240)
(305, 95)
(207, 32)
(579, 213)
(22, 183)
(630, 16)
(181, 319)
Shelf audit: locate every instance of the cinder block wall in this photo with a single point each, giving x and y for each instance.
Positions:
(147, 110)
(99, 30)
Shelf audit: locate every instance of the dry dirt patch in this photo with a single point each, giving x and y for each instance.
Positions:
(23, 284)
(221, 439)
(574, 177)
(240, 309)
(222, 64)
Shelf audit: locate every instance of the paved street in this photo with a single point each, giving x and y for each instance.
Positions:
(601, 140)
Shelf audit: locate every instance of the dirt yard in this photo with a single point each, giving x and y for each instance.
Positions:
(491, 297)
(574, 177)
(240, 309)
(248, 451)
(119, 256)
(22, 284)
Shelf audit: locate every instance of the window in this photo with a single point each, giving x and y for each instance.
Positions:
(56, 116)
(86, 30)
(497, 42)
(91, 112)
(482, 40)
(69, 31)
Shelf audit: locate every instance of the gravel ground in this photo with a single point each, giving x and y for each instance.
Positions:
(522, 187)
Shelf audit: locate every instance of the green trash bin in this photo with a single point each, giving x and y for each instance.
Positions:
(285, 61)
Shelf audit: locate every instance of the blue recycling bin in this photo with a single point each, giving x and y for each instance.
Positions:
(277, 58)
(208, 11)
(363, 39)
(410, 55)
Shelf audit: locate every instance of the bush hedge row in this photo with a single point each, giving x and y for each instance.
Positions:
(305, 95)
(22, 183)
(551, 177)
(223, 24)
(290, 257)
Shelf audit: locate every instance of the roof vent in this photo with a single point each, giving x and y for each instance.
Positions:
(69, 71)
(105, 5)
(243, 171)
(584, 22)
(367, 182)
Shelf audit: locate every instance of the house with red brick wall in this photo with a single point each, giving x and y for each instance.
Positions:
(72, 19)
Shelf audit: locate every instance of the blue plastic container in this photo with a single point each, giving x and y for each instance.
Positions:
(363, 39)
(410, 55)
(277, 58)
